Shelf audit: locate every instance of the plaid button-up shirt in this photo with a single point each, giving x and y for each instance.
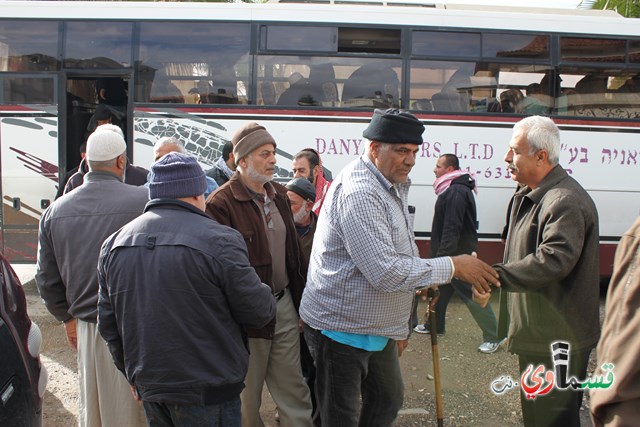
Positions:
(364, 265)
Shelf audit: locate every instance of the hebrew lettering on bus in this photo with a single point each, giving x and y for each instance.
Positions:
(621, 157)
(575, 152)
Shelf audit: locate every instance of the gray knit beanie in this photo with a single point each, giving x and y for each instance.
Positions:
(394, 126)
(248, 138)
(176, 175)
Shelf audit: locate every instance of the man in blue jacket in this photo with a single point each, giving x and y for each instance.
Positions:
(176, 292)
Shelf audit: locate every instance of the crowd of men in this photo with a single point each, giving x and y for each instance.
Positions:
(186, 293)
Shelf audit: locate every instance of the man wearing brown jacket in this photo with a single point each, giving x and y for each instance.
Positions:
(259, 209)
(619, 347)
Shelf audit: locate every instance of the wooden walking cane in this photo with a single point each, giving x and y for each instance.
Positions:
(432, 295)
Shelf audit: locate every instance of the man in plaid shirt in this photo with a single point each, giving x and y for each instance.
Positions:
(363, 273)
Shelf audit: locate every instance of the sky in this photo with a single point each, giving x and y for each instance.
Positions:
(563, 4)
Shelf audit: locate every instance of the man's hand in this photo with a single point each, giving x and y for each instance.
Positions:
(481, 299)
(134, 392)
(402, 344)
(72, 337)
(476, 272)
(433, 293)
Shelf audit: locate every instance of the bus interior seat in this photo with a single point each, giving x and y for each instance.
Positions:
(299, 92)
(225, 87)
(590, 93)
(448, 101)
(268, 92)
(322, 81)
(422, 104)
(592, 84)
(375, 82)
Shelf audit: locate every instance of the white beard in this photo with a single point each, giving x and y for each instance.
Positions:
(254, 175)
(300, 215)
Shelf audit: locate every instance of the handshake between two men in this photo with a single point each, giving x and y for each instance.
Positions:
(478, 274)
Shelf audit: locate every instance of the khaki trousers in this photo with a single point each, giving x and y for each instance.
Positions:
(277, 363)
(105, 394)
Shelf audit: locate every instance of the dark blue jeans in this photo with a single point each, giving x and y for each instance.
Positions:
(347, 376)
(484, 317)
(226, 414)
(308, 350)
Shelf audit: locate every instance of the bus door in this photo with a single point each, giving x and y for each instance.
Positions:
(83, 96)
(28, 160)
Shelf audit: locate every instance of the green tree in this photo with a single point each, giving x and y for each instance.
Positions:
(628, 8)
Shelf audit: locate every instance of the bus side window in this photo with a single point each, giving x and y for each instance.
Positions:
(372, 82)
(164, 91)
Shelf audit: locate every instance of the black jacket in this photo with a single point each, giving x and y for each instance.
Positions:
(176, 290)
(218, 175)
(454, 220)
(134, 175)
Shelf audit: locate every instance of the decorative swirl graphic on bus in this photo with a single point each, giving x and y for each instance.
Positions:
(204, 139)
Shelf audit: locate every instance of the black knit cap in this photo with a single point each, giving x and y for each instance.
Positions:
(394, 126)
(303, 188)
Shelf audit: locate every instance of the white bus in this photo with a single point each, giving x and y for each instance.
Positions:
(312, 74)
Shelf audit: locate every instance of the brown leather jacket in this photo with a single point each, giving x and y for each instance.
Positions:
(232, 205)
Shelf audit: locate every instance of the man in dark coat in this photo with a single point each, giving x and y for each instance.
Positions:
(454, 233)
(224, 167)
(176, 291)
(550, 269)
